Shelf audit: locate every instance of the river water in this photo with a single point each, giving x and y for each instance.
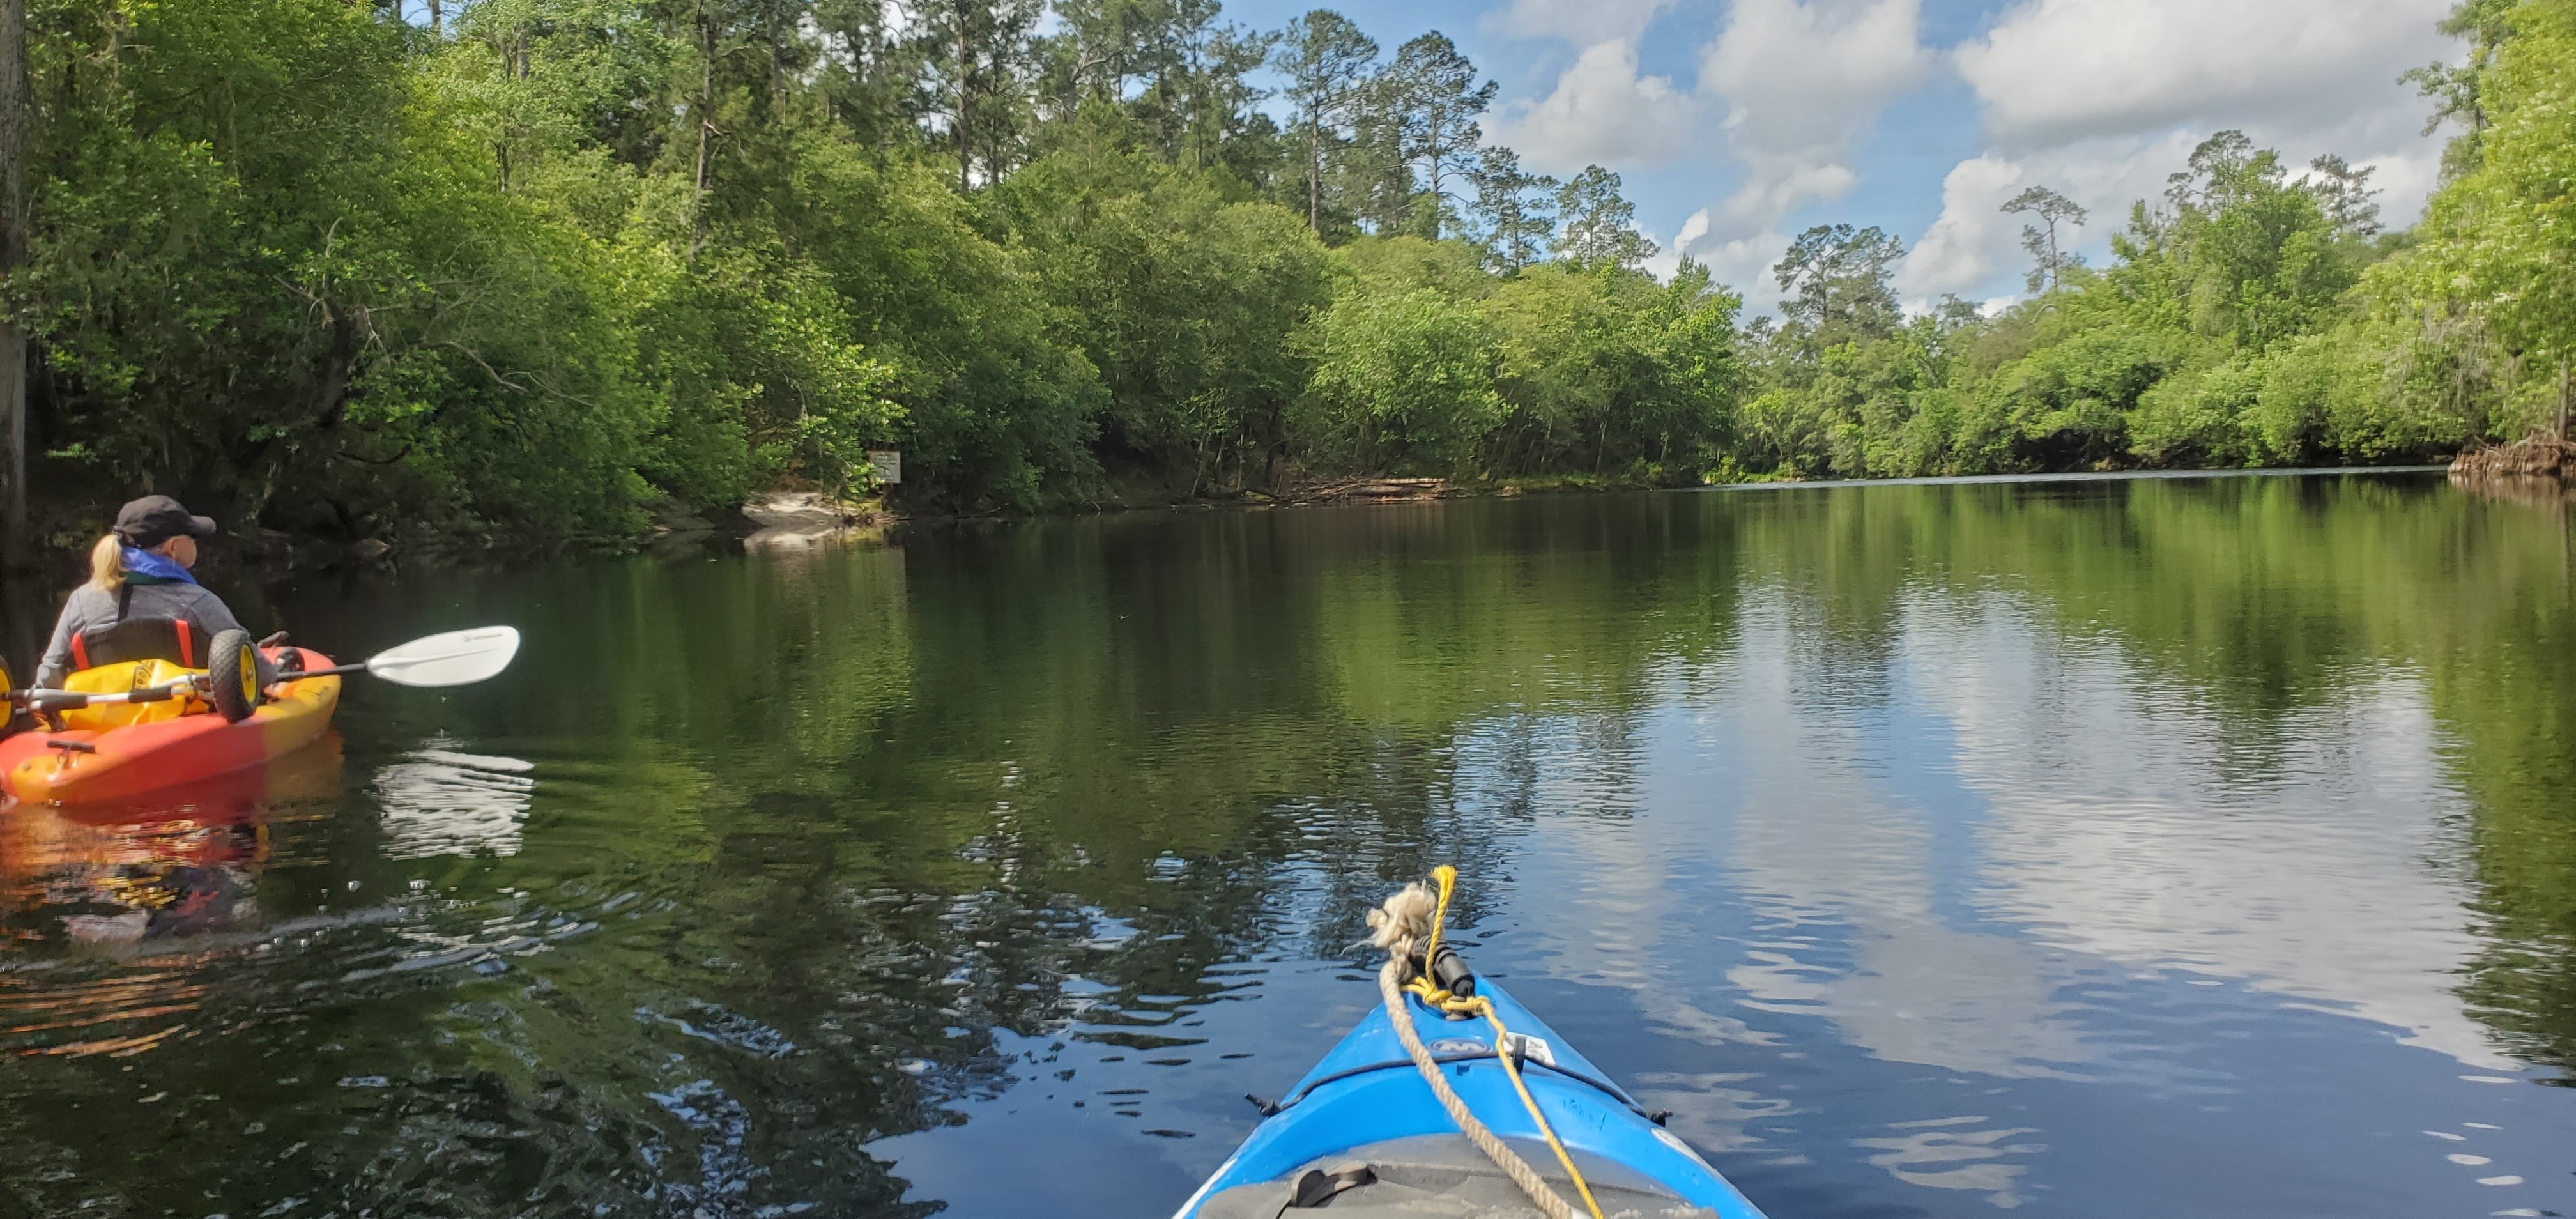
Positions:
(2159, 847)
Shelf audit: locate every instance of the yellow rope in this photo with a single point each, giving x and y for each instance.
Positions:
(1442, 1001)
(1513, 1166)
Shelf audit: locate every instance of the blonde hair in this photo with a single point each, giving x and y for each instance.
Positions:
(107, 563)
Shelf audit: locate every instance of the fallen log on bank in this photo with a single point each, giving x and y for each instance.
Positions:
(1367, 491)
(2535, 469)
(805, 518)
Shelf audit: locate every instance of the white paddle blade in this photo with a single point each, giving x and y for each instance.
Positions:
(454, 659)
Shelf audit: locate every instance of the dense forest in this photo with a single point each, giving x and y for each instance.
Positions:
(534, 272)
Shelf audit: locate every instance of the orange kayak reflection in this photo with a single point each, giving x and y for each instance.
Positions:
(137, 880)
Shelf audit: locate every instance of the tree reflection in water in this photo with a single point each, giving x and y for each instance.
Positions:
(1888, 835)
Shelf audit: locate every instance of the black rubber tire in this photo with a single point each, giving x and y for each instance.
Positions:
(16, 711)
(232, 675)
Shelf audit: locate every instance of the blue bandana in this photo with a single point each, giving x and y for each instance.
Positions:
(147, 567)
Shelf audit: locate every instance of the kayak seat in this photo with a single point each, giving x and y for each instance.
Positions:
(171, 639)
(117, 679)
(1441, 1176)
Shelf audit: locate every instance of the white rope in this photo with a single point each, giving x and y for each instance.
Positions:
(1399, 926)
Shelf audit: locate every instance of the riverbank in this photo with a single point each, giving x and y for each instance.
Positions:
(789, 517)
(2085, 476)
(2533, 468)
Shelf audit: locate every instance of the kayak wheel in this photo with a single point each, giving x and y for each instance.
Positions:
(232, 675)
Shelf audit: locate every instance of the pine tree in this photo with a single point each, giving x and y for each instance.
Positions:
(1600, 225)
(1436, 102)
(1327, 61)
(1517, 226)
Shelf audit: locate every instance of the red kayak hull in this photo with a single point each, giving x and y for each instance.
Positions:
(138, 759)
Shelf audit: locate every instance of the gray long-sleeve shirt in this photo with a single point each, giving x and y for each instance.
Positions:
(91, 606)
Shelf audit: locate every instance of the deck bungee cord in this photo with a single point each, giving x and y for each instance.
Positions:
(1414, 916)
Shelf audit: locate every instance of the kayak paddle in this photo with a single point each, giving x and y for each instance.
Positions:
(456, 658)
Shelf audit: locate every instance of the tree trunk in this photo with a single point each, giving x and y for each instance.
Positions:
(1314, 177)
(706, 129)
(1434, 173)
(965, 71)
(13, 254)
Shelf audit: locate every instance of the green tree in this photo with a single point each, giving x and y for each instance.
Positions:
(1404, 381)
(1605, 371)
(2048, 263)
(2343, 190)
(2490, 275)
(1514, 209)
(2243, 251)
(1186, 299)
(1327, 61)
(1369, 173)
(976, 53)
(1835, 279)
(1599, 225)
(2458, 90)
(1436, 101)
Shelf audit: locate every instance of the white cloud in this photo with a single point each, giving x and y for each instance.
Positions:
(2097, 99)
(1959, 248)
(1804, 76)
(1787, 84)
(1667, 261)
(1581, 22)
(1799, 82)
(1778, 185)
(2100, 99)
(1601, 112)
(1974, 243)
(1744, 264)
(1974, 246)
(2055, 70)
(1694, 228)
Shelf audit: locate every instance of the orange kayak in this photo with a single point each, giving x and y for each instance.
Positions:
(160, 750)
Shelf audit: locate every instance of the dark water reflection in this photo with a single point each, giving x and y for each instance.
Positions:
(2132, 848)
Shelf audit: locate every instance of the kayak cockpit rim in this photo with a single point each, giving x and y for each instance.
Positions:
(1477, 1055)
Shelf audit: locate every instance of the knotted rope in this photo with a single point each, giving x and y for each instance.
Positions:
(1408, 928)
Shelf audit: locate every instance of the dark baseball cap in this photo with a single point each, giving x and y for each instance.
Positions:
(154, 519)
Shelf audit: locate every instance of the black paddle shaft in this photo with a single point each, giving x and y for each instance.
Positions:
(333, 671)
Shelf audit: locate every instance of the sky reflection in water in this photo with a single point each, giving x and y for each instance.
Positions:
(2109, 849)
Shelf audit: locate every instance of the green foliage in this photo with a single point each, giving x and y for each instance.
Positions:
(262, 277)
(1327, 62)
(1515, 210)
(1603, 369)
(2489, 278)
(1426, 364)
(536, 273)
(1404, 381)
(1186, 300)
(1453, 268)
(2049, 262)
(1599, 225)
(526, 276)
(2241, 322)
(1835, 280)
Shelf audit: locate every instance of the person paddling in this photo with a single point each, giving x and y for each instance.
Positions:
(140, 571)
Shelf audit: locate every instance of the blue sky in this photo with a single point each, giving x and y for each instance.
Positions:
(1737, 123)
